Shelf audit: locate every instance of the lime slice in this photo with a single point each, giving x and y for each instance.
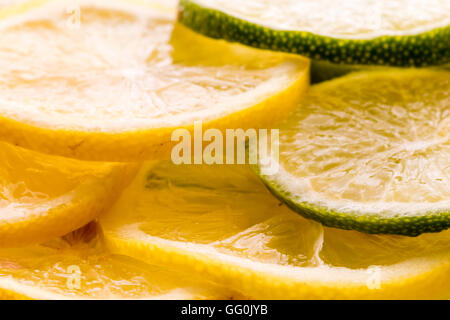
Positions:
(112, 80)
(71, 268)
(384, 32)
(370, 152)
(220, 222)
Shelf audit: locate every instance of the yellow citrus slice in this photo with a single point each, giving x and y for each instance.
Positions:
(221, 222)
(111, 80)
(8, 3)
(76, 269)
(43, 197)
(167, 5)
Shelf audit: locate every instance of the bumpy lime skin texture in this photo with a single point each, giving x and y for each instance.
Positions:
(425, 49)
(410, 225)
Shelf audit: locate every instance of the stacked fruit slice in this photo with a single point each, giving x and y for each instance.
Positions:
(220, 222)
(370, 152)
(42, 197)
(115, 84)
(383, 32)
(112, 80)
(77, 267)
(338, 36)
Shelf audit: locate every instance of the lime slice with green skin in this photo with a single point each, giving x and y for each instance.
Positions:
(370, 152)
(396, 33)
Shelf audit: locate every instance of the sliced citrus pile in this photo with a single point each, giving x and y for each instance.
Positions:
(383, 32)
(222, 223)
(371, 152)
(72, 268)
(112, 80)
(42, 197)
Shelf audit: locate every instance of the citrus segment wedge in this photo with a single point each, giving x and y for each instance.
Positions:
(113, 80)
(371, 152)
(397, 33)
(42, 196)
(222, 223)
(75, 269)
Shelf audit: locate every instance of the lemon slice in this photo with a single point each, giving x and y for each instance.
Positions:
(367, 32)
(371, 152)
(8, 3)
(222, 223)
(42, 197)
(74, 269)
(111, 80)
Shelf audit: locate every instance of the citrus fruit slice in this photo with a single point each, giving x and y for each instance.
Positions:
(112, 80)
(74, 269)
(42, 196)
(222, 223)
(370, 152)
(8, 3)
(398, 33)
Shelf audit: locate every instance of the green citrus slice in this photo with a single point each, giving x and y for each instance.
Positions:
(398, 33)
(112, 80)
(371, 152)
(220, 222)
(74, 268)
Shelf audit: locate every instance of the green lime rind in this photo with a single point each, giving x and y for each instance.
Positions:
(424, 49)
(412, 226)
(324, 71)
